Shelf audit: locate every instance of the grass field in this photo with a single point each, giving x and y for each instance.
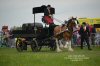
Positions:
(10, 57)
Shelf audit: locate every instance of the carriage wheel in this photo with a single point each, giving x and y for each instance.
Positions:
(53, 48)
(35, 46)
(53, 45)
(19, 45)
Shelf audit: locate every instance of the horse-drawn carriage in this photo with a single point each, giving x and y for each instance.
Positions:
(34, 34)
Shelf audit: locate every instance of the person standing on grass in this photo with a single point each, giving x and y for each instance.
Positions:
(85, 34)
(93, 32)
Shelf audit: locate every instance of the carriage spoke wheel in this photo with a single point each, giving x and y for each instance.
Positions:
(53, 46)
(35, 46)
(19, 45)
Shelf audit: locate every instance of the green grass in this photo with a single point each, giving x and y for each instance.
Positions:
(11, 57)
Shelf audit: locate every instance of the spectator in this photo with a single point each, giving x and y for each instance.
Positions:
(93, 32)
(1, 38)
(75, 29)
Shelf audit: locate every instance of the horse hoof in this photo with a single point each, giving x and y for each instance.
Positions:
(59, 50)
(65, 47)
(71, 50)
(61, 46)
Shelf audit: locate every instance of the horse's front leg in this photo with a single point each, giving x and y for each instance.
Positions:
(60, 43)
(66, 44)
(57, 45)
(69, 46)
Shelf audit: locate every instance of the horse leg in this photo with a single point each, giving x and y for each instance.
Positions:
(57, 45)
(66, 44)
(69, 46)
(60, 43)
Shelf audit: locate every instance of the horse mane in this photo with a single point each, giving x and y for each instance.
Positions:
(69, 22)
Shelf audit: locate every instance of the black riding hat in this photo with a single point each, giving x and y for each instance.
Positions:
(84, 23)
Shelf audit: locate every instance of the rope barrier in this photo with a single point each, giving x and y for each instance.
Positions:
(58, 20)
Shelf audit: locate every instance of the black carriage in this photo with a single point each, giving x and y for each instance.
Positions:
(34, 34)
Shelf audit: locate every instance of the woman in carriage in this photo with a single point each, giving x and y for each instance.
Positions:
(48, 18)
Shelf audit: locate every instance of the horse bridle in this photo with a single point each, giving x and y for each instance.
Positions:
(70, 28)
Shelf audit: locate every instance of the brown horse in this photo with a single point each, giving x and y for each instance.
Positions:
(65, 32)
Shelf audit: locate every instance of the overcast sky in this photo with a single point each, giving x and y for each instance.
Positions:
(17, 12)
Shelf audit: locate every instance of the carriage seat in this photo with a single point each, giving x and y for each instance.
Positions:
(30, 26)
